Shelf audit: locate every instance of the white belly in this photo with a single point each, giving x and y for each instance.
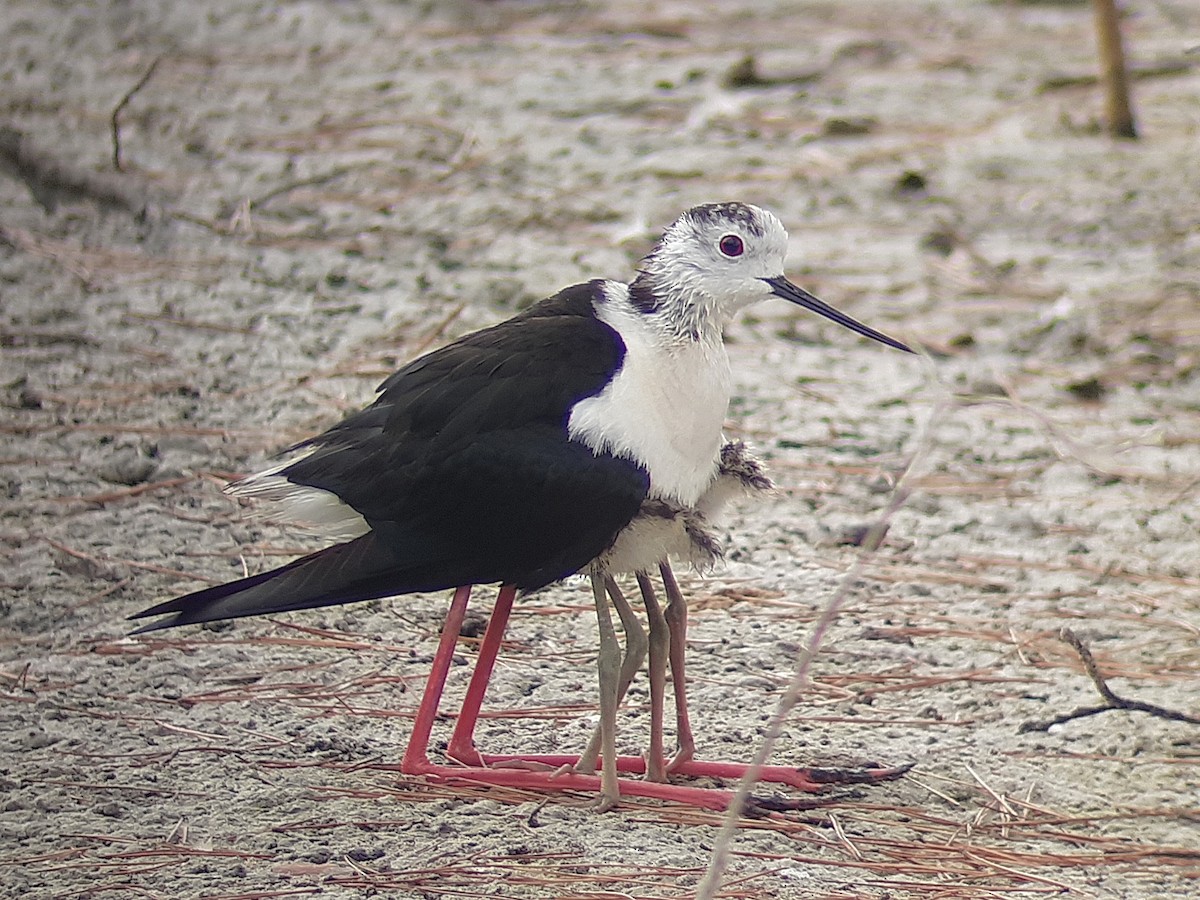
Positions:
(654, 538)
(664, 409)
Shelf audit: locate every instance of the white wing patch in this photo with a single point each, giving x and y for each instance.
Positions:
(309, 508)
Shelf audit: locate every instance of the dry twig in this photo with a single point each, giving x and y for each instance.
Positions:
(1111, 700)
(115, 119)
(718, 862)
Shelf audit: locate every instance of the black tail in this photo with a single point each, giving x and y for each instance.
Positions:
(345, 573)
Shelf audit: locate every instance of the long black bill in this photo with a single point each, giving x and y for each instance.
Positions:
(781, 287)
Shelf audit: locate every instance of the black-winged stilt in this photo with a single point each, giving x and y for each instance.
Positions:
(529, 451)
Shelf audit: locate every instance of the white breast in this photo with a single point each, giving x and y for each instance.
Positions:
(665, 407)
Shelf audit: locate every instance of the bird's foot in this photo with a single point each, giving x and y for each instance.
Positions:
(558, 772)
(564, 763)
(656, 768)
(543, 781)
(810, 779)
(607, 802)
(682, 756)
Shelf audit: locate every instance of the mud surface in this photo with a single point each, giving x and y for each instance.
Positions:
(315, 192)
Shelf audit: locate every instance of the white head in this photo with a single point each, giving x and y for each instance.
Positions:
(716, 259)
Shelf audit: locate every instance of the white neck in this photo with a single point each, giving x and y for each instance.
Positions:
(665, 407)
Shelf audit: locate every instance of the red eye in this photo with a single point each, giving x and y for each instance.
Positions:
(731, 245)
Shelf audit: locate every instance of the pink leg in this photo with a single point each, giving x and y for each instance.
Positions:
(811, 779)
(543, 773)
(462, 742)
(684, 763)
(462, 745)
(542, 782)
(547, 781)
(416, 755)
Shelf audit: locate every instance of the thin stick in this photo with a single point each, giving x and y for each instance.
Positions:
(126, 493)
(115, 120)
(1117, 110)
(1111, 700)
(711, 882)
(102, 561)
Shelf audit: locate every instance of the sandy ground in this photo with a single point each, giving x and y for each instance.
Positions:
(315, 192)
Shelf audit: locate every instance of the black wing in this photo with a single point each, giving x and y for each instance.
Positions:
(464, 471)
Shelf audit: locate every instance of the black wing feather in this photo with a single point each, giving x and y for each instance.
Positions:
(343, 573)
(463, 469)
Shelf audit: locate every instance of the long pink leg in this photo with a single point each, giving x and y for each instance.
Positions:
(542, 782)
(416, 760)
(462, 748)
(462, 741)
(416, 755)
(662, 644)
(802, 778)
(684, 763)
(462, 745)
